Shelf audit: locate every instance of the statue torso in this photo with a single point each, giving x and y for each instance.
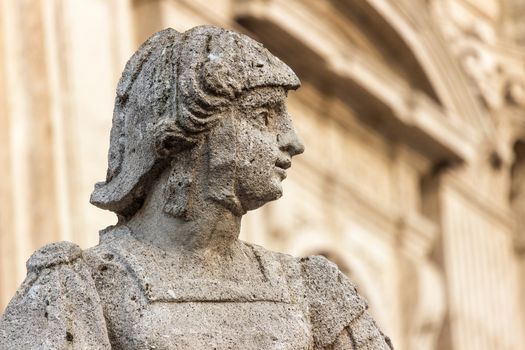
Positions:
(126, 294)
(154, 300)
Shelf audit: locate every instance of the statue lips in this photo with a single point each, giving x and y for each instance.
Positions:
(281, 165)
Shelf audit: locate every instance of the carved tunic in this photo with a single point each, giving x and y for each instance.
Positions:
(125, 294)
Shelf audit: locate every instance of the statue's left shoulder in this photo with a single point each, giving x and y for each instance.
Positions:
(338, 314)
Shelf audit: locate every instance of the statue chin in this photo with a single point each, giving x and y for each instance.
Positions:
(256, 200)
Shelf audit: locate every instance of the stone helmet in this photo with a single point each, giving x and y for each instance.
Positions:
(173, 90)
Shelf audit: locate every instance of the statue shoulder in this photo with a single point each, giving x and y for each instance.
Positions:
(323, 277)
(53, 254)
(333, 300)
(57, 305)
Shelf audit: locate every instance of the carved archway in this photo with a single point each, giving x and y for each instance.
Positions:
(416, 28)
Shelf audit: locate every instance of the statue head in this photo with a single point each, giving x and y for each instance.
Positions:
(207, 105)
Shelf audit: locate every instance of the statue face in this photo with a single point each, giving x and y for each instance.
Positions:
(266, 143)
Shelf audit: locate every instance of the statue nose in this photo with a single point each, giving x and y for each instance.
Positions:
(291, 143)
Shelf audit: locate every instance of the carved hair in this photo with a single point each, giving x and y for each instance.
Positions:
(173, 91)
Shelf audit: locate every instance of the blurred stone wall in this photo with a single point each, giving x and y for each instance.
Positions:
(413, 117)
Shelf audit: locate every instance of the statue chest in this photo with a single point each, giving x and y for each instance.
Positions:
(211, 325)
(153, 301)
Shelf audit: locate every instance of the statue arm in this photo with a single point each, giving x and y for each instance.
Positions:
(361, 334)
(57, 306)
(339, 315)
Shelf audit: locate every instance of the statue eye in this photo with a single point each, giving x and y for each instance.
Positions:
(262, 117)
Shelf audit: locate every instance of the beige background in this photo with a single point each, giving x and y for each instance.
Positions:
(413, 116)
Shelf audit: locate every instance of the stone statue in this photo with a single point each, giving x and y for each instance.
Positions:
(200, 136)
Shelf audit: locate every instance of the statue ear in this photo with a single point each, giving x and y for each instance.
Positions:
(171, 140)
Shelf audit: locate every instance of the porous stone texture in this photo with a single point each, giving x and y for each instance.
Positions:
(200, 136)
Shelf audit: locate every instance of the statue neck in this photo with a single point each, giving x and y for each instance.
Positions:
(212, 230)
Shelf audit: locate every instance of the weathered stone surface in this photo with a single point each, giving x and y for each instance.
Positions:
(200, 136)
(57, 306)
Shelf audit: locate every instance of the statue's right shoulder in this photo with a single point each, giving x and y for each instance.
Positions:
(339, 315)
(57, 306)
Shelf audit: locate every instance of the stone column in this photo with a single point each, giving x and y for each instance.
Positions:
(422, 289)
(27, 163)
(517, 200)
